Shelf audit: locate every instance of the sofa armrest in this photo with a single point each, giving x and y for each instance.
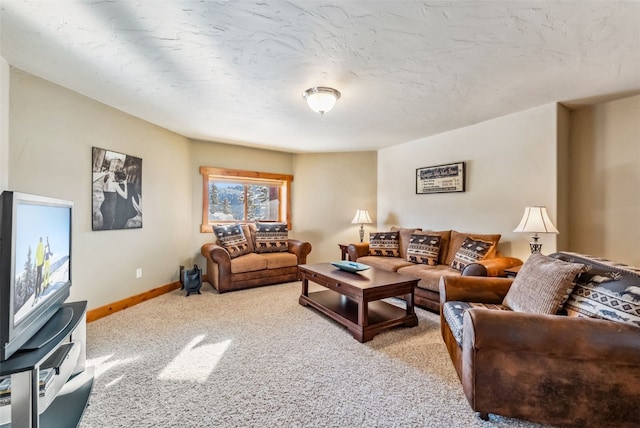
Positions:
(556, 336)
(358, 250)
(491, 267)
(476, 289)
(217, 254)
(218, 265)
(301, 249)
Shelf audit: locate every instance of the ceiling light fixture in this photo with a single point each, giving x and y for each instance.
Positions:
(321, 99)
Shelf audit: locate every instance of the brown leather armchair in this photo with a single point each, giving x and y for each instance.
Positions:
(554, 369)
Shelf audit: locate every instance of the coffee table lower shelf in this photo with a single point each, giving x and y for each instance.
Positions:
(381, 315)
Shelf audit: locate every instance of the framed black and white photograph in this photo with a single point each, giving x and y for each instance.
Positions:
(117, 190)
(440, 178)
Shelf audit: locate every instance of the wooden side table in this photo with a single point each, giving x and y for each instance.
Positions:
(343, 250)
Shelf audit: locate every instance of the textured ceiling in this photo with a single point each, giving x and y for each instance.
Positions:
(234, 71)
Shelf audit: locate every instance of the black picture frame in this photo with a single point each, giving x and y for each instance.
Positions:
(116, 190)
(440, 178)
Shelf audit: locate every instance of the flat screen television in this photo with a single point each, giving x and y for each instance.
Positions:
(35, 266)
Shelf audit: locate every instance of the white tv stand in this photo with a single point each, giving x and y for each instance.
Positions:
(63, 346)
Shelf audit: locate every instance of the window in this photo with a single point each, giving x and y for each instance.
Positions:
(232, 196)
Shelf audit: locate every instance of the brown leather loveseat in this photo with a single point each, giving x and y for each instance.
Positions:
(581, 369)
(227, 271)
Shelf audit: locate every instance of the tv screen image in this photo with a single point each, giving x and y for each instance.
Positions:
(35, 268)
(42, 255)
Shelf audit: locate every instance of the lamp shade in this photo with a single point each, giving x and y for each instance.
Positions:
(536, 220)
(361, 217)
(321, 99)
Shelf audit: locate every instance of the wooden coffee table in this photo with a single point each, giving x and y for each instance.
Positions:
(353, 299)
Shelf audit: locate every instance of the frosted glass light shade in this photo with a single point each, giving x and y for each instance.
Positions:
(321, 99)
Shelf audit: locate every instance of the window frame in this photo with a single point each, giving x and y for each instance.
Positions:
(225, 174)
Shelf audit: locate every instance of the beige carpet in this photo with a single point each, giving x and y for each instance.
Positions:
(256, 358)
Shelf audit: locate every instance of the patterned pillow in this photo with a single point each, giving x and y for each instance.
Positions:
(445, 238)
(423, 249)
(403, 238)
(543, 285)
(471, 251)
(385, 244)
(457, 238)
(232, 239)
(272, 237)
(606, 290)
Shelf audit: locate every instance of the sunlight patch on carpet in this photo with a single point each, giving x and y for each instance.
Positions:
(102, 364)
(195, 363)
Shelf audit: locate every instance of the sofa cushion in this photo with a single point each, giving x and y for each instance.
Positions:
(391, 264)
(457, 238)
(542, 285)
(445, 239)
(250, 262)
(271, 237)
(453, 312)
(606, 290)
(384, 244)
(423, 249)
(403, 238)
(429, 275)
(232, 238)
(280, 260)
(471, 251)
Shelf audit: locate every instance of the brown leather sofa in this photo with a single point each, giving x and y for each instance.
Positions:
(427, 294)
(552, 369)
(253, 269)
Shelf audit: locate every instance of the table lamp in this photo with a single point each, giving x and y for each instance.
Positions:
(361, 218)
(536, 220)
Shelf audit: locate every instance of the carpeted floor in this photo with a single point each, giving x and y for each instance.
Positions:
(256, 358)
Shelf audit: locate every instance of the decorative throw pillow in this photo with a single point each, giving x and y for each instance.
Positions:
(457, 238)
(404, 233)
(445, 238)
(606, 289)
(423, 249)
(471, 251)
(543, 285)
(384, 244)
(232, 239)
(272, 237)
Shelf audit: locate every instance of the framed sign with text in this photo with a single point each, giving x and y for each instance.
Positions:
(440, 179)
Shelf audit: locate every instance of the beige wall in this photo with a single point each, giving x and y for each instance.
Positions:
(564, 212)
(5, 76)
(51, 136)
(330, 187)
(511, 162)
(605, 180)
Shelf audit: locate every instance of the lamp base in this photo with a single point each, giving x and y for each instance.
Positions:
(361, 233)
(535, 246)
